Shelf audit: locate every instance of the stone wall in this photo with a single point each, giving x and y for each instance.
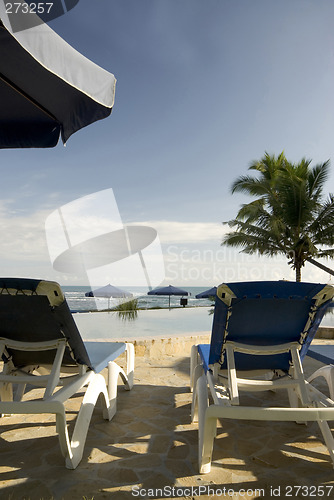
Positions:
(325, 332)
(157, 348)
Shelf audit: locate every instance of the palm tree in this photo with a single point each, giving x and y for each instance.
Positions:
(289, 215)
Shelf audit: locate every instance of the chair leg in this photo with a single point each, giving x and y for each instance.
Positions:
(130, 365)
(232, 376)
(19, 392)
(197, 373)
(194, 361)
(113, 372)
(194, 407)
(126, 376)
(61, 428)
(298, 376)
(328, 437)
(328, 373)
(294, 402)
(6, 394)
(293, 398)
(206, 427)
(96, 388)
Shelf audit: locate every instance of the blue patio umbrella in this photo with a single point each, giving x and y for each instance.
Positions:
(109, 291)
(168, 290)
(47, 89)
(207, 293)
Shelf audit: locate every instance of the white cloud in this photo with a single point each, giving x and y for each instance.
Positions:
(192, 253)
(186, 232)
(23, 237)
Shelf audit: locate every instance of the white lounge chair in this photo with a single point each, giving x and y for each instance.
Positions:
(325, 354)
(261, 332)
(41, 346)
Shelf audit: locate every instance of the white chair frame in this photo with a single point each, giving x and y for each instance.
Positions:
(306, 403)
(53, 401)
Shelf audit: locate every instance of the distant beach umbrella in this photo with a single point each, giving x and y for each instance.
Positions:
(168, 290)
(109, 291)
(47, 89)
(207, 293)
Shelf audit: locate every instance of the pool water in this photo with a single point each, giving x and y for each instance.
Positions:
(148, 323)
(152, 323)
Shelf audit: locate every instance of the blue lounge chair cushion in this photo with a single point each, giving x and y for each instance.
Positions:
(323, 353)
(264, 313)
(204, 352)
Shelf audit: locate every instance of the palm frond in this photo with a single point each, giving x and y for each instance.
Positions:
(318, 175)
(288, 214)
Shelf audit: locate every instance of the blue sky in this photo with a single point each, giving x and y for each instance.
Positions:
(203, 87)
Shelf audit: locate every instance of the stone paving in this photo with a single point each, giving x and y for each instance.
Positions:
(149, 449)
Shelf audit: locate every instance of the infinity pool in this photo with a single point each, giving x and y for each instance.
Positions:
(154, 323)
(148, 323)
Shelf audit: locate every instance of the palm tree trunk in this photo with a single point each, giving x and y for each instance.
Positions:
(298, 273)
(321, 266)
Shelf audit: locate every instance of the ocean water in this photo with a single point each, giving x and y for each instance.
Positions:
(77, 301)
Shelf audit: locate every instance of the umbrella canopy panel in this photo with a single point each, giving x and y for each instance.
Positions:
(212, 292)
(109, 291)
(47, 89)
(168, 290)
(16, 119)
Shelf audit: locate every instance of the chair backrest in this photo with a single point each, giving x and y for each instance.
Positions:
(36, 311)
(267, 313)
